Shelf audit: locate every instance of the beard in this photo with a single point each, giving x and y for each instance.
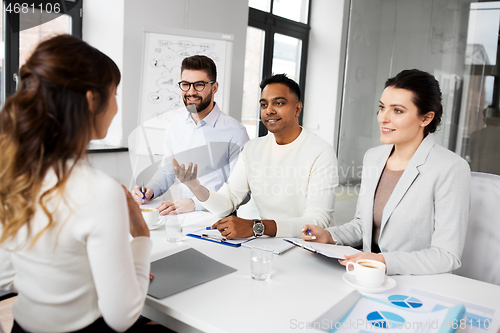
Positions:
(204, 103)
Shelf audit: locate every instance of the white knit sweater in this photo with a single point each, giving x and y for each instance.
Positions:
(293, 184)
(83, 269)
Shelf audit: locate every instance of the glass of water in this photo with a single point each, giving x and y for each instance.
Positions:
(261, 261)
(173, 228)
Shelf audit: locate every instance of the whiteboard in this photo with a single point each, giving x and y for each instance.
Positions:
(163, 52)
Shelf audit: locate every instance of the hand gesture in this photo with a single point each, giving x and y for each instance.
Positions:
(186, 176)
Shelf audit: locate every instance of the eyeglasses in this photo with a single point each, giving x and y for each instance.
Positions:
(198, 85)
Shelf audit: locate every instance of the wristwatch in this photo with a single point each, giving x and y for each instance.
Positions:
(258, 228)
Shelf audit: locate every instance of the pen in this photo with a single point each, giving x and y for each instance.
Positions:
(210, 228)
(220, 240)
(143, 193)
(309, 232)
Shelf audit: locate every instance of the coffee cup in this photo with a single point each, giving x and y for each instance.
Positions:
(151, 216)
(368, 273)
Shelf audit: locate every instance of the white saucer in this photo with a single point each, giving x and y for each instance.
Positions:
(388, 284)
(156, 226)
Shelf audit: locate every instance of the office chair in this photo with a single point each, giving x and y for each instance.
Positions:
(482, 242)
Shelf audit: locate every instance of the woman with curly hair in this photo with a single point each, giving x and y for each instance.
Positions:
(64, 231)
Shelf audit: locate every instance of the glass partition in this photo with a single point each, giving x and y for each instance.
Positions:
(456, 41)
(479, 128)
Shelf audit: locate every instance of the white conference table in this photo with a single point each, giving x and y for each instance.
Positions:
(302, 287)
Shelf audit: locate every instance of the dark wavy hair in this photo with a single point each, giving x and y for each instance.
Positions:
(283, 79)
(47, 124)
(200, 63)
(426, 94)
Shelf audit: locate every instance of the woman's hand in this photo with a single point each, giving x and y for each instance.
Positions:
(138, 226)
(314, 233)
(363, 255)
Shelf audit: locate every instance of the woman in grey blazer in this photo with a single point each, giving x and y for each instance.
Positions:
(413, 205)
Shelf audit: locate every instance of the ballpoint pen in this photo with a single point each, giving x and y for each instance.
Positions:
(210, 228)
(143, 193)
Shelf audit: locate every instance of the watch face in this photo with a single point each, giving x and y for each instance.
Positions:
(258, 228)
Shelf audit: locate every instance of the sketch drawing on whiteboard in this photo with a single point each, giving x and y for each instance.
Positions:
(166, 72)
(160, 96)
(163, 52)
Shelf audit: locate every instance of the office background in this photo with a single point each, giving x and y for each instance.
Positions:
(123, 22)
(352, 47)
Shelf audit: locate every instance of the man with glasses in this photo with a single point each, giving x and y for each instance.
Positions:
(204, 134)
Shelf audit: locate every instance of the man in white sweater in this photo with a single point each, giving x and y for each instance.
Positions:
(291, 173)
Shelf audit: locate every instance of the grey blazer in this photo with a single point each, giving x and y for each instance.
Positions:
(425, 219)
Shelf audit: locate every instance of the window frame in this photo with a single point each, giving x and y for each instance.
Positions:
(11, 38)
(272, 24)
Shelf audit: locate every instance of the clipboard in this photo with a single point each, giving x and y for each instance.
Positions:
(327, 250)
(213, 235)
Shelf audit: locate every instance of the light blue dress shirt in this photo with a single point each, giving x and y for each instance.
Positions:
(213, 144)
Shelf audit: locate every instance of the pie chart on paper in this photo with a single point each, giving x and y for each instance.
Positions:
(385, 319)
(405, 301)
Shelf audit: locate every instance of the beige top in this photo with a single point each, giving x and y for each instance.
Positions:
(386, 185)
